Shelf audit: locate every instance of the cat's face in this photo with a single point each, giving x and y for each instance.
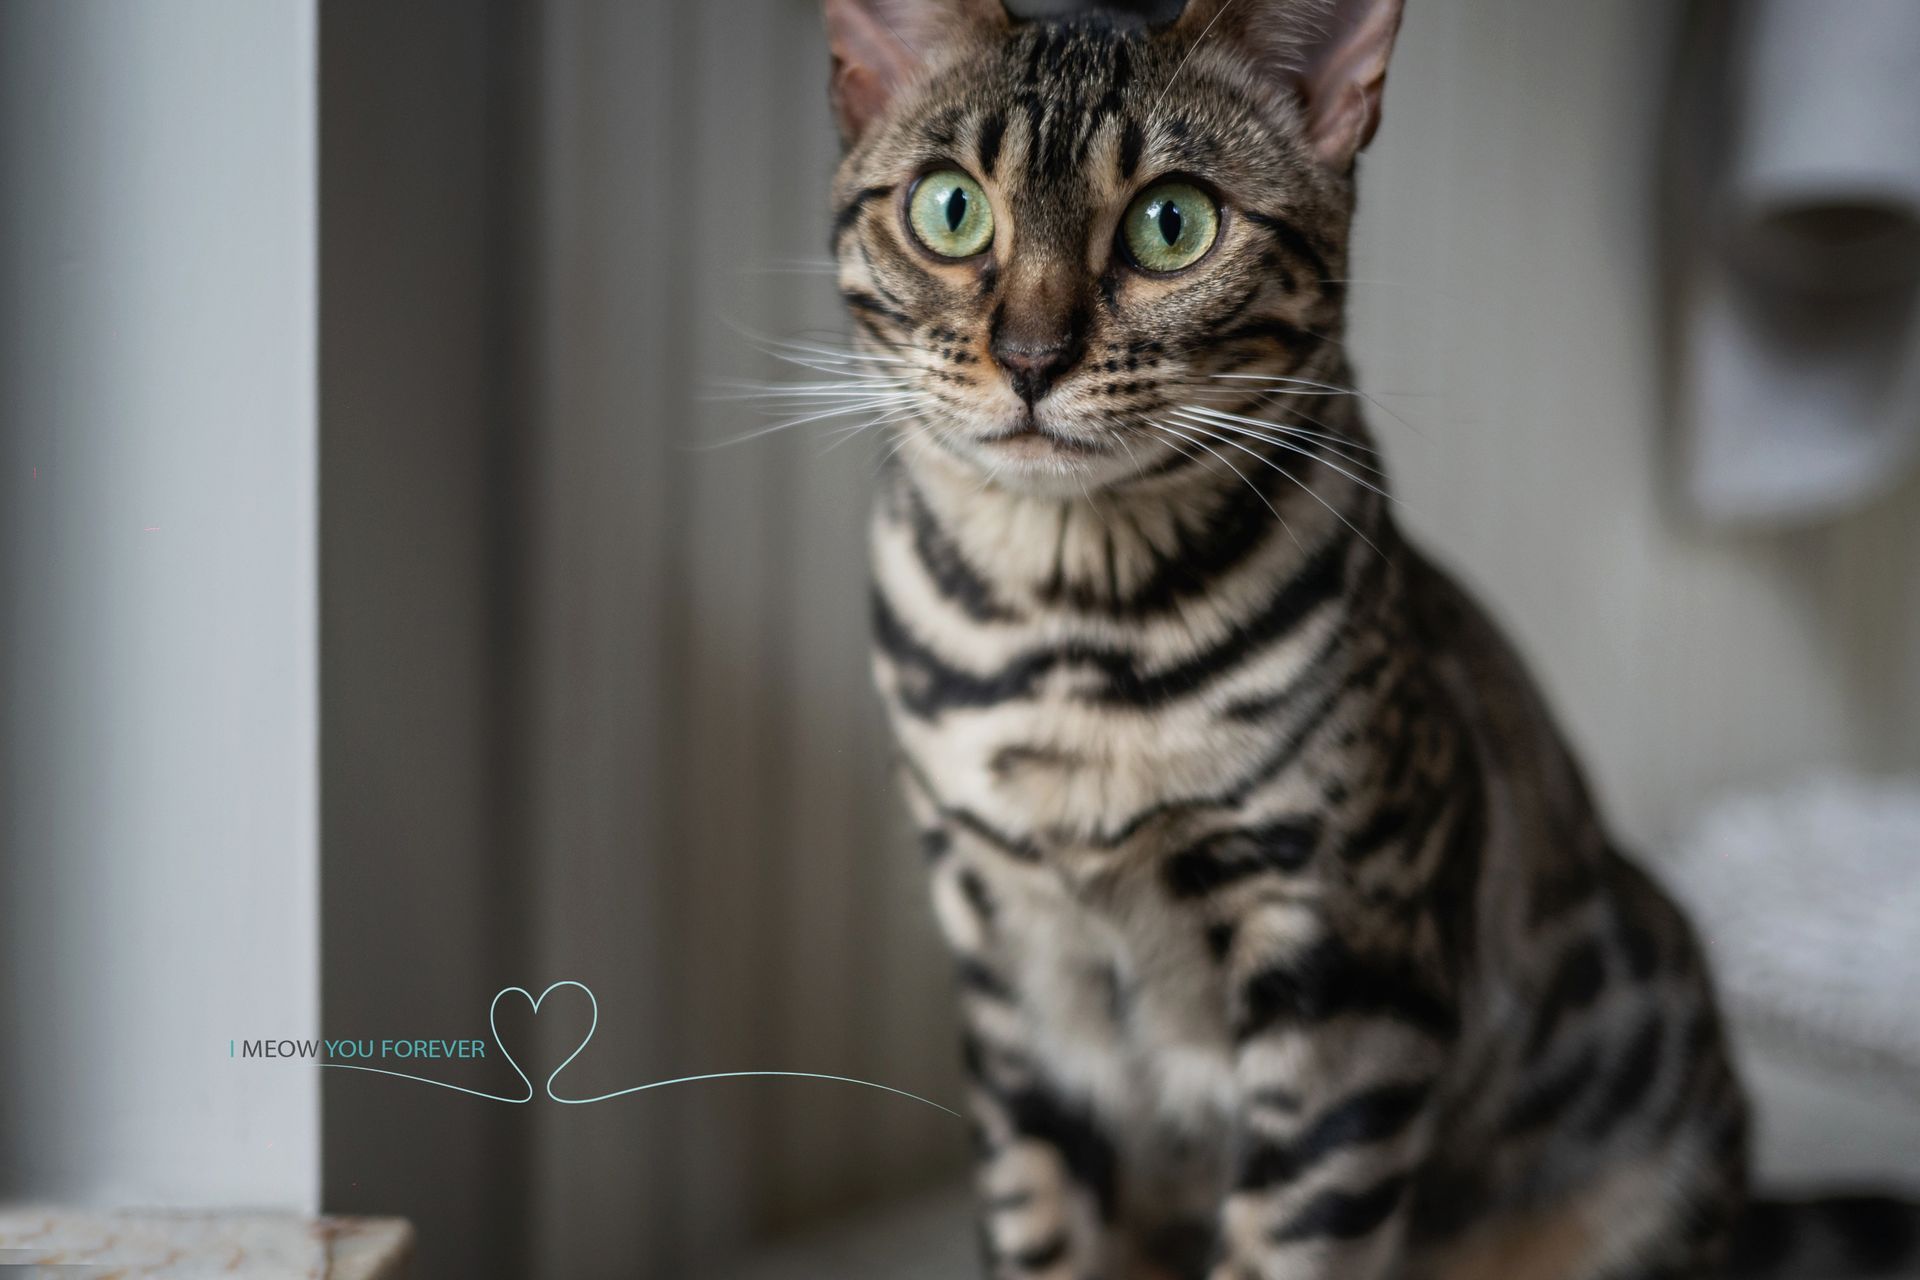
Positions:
(1075, 244)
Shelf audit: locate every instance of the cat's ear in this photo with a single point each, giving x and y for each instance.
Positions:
(878, 45)
(1330, 54)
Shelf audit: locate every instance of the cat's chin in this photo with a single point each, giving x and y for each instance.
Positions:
(1030, 460)
(1046, 466)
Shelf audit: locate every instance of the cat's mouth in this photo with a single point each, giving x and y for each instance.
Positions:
(1029, 440)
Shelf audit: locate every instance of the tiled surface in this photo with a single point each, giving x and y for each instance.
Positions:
(71, 1245)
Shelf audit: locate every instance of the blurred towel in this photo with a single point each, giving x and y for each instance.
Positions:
(1800, 289)
(1809, 900)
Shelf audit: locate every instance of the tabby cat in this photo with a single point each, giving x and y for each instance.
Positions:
(1290, 943)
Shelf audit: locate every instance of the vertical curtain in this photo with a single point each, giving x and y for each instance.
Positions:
(599, 705)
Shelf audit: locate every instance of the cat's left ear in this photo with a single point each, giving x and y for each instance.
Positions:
(1332, 55)
(879, 45)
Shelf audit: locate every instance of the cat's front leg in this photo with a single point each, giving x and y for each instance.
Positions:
(1337, 1054)
(1046, 1171)
(1044, 1180)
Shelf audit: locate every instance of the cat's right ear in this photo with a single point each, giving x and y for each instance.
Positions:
(879, 45)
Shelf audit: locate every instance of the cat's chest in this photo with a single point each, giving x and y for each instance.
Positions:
(1060, 724)
(1059, 769)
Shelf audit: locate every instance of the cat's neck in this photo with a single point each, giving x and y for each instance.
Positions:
(1161, 545)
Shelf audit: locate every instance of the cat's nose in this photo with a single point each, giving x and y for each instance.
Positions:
(1032, 367)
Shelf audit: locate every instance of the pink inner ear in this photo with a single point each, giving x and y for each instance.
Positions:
(870, 61)
(878, 45)
(858, 95)
(1343, 75)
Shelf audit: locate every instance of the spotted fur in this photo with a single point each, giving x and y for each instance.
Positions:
(1290, 943)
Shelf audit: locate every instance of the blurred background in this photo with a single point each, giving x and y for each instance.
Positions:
(380, 625)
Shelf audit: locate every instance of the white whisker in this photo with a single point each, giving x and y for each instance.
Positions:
(1322, 388)
(1264, 431)
(788, 425)
(1293, 448)
(1307, 488)
(1333, 439)
(1191, 50)
(1257, 492)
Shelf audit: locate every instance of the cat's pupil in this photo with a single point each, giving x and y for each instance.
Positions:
(956, 210)
(1171, 222)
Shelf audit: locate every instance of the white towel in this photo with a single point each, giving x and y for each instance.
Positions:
(1809, 901)
(1799, 376)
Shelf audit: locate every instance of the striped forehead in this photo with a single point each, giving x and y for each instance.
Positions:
(1062, 86)
(1064, 115)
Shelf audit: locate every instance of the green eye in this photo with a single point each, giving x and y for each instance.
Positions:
(950, 214)
(1170, 225)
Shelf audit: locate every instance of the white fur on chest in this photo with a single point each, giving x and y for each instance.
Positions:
(1121, 999)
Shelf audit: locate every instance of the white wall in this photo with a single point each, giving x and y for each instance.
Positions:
(157, 576)
(1507, 299)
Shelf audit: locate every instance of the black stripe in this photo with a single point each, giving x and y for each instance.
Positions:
(978, 896)
(1363, 1119)
(940, 130)
(929, 685)
(1013, 846)
(1270, 329)
(1343, 1215)
(993, 131)
(1049, 1253)
(1544, 1102)
(871, 327)
(947, 567)
(866, 302)
(1316, 717)
(1295, 242)
(1258, 708)
(1236, 526)
(849, 213)
(1319, 581)
(1383, 828)
(1276, 266)
(1231, 312)
(1577, 982)
(1700, 1052)
(1089, 1156)
(975, 976)
(1282, 846)
(1330, 981)
(1638, 1068)
(1132, 142)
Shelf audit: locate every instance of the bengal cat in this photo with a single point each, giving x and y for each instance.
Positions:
(1290, 943)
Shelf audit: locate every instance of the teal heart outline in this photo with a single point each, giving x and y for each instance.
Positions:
(493, 1010)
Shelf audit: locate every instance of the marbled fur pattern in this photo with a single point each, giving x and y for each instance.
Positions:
(1290, 942)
